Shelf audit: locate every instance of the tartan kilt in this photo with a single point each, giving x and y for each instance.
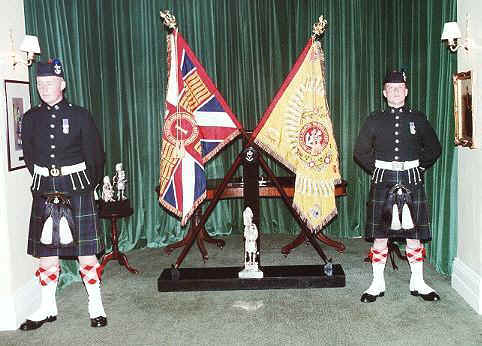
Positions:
(87, 235)
(375, 225)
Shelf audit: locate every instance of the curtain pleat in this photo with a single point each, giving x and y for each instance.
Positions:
(114, 54)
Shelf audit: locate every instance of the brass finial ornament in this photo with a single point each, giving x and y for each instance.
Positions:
(319, 27)
(168, 20)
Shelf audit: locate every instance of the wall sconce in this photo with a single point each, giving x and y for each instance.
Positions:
(30, 46)
(453, 35)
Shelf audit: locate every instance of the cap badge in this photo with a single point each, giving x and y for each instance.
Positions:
(57, 69)
(57, 66)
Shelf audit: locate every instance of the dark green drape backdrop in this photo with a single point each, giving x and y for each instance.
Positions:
(114, 53)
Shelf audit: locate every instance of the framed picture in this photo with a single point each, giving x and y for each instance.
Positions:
(464, 122)
(17, 95)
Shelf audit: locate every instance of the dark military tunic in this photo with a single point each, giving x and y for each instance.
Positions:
(54, 137)
(397, 135)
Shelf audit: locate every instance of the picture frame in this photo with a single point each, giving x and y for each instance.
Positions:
(464, 121)
(17, 94)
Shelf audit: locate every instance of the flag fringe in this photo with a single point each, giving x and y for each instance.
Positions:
(170, 207)
(276, 156)
(221, 145)
(319, 227)
(178, 213)
(186, 217)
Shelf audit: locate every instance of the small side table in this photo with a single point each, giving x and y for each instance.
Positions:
(115, 254)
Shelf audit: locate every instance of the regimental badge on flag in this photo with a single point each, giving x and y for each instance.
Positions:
(197, 124)
(296, 129)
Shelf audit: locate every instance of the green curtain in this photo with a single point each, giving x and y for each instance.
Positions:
(114, 53)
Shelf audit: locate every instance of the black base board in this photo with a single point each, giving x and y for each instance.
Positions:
(226, 278)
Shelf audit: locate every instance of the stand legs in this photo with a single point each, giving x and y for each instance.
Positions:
(115, 254)
(202, 237)
(301, 238)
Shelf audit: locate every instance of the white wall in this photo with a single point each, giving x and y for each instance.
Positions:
(17, 289)
(467, 272)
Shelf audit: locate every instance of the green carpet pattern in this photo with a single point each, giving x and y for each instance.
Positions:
(140, 315)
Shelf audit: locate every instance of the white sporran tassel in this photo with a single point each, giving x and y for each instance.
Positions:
(96, 194)
(46, 237)
(407, 222)
(395, 219)
(64, 232)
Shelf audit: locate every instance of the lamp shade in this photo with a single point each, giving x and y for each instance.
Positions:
(451, 31)
(30, 44)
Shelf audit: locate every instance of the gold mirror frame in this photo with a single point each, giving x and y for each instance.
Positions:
(464, 125)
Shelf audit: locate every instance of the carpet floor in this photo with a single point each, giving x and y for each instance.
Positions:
(140, 315)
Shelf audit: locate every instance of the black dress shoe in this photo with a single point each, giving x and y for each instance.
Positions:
(369, 298)
(430, 297)
(31, 325)
(100, 321)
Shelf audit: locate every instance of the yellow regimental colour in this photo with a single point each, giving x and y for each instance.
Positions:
(297, 131)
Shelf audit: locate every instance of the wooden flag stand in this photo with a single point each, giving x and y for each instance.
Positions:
(226, 278)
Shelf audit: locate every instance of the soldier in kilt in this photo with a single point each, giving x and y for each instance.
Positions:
(64, 154)
(396, 147)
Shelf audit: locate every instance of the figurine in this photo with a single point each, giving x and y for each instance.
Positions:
(120, 181)
(251, 269)
(107, 190)
(250, 235)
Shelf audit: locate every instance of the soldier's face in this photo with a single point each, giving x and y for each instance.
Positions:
(50, 89)
(395, 94)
